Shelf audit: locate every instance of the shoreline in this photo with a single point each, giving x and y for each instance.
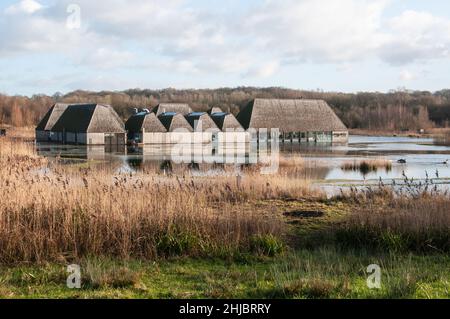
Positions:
(413, 134)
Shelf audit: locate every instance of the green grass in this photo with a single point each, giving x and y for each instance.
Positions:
(320, 273)
(305, 264)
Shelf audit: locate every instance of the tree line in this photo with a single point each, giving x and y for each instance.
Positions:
(396, 110)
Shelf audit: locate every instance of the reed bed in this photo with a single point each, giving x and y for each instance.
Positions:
(291, 161)
(21, 133)
(414, 217)
(367, 165)
(443, 138)
(16, 148)
(52, 212)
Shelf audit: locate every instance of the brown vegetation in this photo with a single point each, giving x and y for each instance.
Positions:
(414, 217)
(442, 136)
(53, 212)
(367, 165)
(394, 111)
(291, 161)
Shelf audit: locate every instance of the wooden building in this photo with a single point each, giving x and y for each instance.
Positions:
(298, 120)
(91, 124)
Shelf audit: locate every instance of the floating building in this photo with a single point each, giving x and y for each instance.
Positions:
(231, 131)
(44, 130)
(169, 123)
(204, 128)
(144, 127)
(226, 121)
(178, 128)
(298, 120)
(92, 124)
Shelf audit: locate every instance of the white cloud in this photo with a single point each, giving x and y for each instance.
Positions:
(24, 6)
(254, 42)
(320, 31)
(345, 31)
(416, 36)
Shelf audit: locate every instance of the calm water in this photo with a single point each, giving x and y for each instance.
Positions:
(421, 156)
(323, 161)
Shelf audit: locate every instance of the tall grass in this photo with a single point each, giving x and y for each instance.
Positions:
(443, 138)
(333, 273)
(367, 165)
(15, 147)
(415, 217)
(53, 212)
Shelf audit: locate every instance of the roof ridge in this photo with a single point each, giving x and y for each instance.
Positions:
(92, 116)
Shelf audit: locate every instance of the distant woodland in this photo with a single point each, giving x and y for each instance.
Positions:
(396, 110)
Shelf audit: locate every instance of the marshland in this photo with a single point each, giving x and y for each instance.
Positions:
(152, 233)
(290, 149)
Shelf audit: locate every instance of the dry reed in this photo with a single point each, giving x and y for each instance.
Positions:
(367, 165)
(54, 212)
(414, 218)
(443, 138)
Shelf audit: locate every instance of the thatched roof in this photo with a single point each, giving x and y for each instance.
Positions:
(215, 109)
(173, 121)
(207, 123)
(144, 121)
(51, 117)
(89, 118)
(181, 108)
(226, 121)
(290, 116)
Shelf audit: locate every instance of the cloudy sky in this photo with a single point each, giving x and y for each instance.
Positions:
(335, 45)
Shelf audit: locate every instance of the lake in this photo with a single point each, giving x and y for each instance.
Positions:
(323, 162)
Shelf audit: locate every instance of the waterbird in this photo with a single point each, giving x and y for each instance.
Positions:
(445, 162)
(401, 161)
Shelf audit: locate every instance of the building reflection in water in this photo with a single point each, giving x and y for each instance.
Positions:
(173, 159)
(80, 152)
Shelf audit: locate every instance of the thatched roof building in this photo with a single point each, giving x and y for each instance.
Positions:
(180, 108)
(92, 124)
(89, 118)
(144, 121)
(51, 117)
(226, 121)
(290, 116)
(195, 118)
(214, 109)
(173, 121)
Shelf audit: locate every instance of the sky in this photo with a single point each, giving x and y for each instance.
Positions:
(49, 46)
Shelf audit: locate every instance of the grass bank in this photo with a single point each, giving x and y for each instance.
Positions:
(321, 273)
(155, 234)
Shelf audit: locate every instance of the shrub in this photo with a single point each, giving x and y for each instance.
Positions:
(177, 243)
